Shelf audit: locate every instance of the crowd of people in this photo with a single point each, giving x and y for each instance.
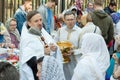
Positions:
(33, 36)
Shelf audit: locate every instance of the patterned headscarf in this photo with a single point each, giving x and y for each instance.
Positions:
(51, 69)
(94, 44)
(115, 17)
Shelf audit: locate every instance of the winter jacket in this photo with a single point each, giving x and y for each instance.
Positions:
(104, 22)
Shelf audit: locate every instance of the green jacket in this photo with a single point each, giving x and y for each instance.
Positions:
(104, 22)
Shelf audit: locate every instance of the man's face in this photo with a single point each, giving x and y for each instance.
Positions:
(28, 6)
(112, 8)
(51, 4)
(81, 2)
(70, 21)
(90, 6)
(36, 21)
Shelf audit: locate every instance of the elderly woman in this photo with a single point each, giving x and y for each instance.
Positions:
(94, 60)
(49, 69)
(14, 34)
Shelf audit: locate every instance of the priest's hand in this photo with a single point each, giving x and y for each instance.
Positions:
(53, 47)
(47, 50)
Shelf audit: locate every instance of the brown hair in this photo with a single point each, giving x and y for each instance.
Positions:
(23, 1)
(31, 14)
(56, 1)
(13, 19)
(99, 2)
(68, 13)
(112, 3)
(51, 0)
(8, 72)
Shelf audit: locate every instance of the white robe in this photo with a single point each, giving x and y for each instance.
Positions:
(73, 37)
(30, 46)
(63, 34)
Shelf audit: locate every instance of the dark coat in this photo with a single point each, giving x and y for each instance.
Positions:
(104, 22)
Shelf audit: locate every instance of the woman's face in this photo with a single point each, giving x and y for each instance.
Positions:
(39, 67)
(13, 25)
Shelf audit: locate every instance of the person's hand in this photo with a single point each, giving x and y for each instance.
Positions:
(69, 53)
(11, 46)
(53, 47)
(115, 57)
(47, 50)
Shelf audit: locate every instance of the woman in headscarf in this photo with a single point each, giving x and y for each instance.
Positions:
(14, 34)
(94, 60)
(49, 69)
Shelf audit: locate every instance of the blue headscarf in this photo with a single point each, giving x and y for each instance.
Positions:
(111, 67)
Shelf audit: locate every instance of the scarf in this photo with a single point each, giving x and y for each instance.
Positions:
(51, 69)
(35, 31)
(16, 34)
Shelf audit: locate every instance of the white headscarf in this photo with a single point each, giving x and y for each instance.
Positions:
(95, 59)
(51, 69)
(93, 44)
